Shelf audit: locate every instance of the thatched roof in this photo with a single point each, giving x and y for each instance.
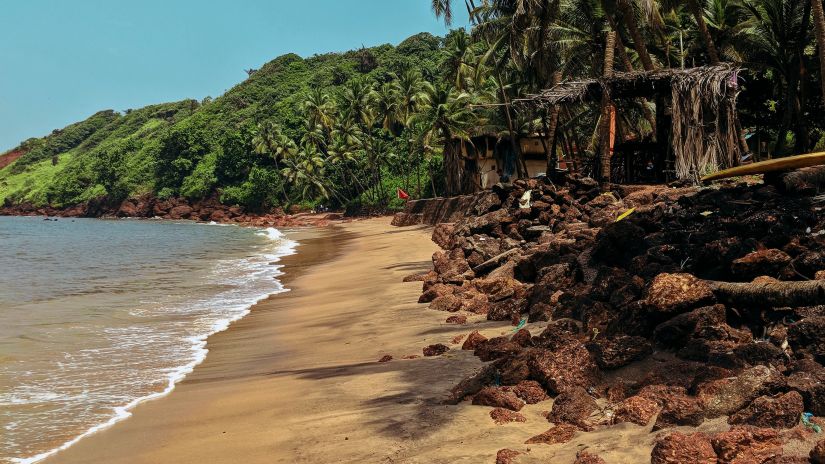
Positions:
(630, 85)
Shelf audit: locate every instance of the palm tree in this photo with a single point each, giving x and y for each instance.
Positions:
(319, 109)
(270, 141)
(447, 116)
(385, 101)
(819, 24)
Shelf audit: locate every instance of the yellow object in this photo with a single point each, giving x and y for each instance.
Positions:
(762, 167)
(706, 213)
(625, 214)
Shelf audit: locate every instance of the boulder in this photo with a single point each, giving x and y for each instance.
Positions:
(523, 338)
(583, 457)
(180, 212)
(722, 397)
(617, 243)
(530, 391)
(499, 289)
(503, 416)
(616, 352)
(746, 445)
(572, 406)
(636, 409)
(760, 263)
(808, 336)
(459, 319)
(451, 266)
(435, 350)
(473, 340)
(677, 293)
(676, 332)
(818, 453)
(561, 433)
(498, 397)
(442, 235)
(506, 456)
(558, 371)
(678, 448)
(447, 303)
(507, 310)
(495, 348)
(781, 411)
(678, 409)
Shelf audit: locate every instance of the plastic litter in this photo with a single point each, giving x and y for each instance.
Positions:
(806, 421)
(521, 324)
(625, 214)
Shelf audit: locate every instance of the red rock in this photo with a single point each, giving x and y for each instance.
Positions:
(676, 332)
(498, 397)
(434, 291)
(760, 263)
(419, 276)
(442, 235)
(782, 411)
(451, 266)
(679, 410)
(522, 337)
(506, 456)
(385, 358)
(636, 409)
(572, 406)
(678, 448)
(457, 339)
(677, 293)
(616, 352)
(495, 348)
(725, 396)
(499, 289)
(473, 340)
(583, 457)
(460, 319)
(808, 336)
(560, 370)
(746, 445)
(448, 303)
(411, 356)
(435, 350)
(818, 453)
(509, 309)
(502, 416)
(561, 433)
(530, 391)
(180, 212)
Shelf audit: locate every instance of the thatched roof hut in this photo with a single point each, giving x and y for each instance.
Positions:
(703, 110)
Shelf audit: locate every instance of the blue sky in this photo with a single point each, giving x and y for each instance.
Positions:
(61, 61)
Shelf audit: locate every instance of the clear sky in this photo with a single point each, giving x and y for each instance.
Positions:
(63, 60)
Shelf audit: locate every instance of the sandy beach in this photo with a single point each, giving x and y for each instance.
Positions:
(298, 380)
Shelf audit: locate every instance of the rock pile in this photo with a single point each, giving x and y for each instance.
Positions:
(723, 279)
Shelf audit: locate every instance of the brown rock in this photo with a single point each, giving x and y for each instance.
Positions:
(636, 409)
(572, 406)
(419, 276)
(495, 348)
(499, 397)
(448, 303)
(502, 416)
(457, 339)
(678, 448)
(677, 293)
(435, 350)
(616, 352)
(746, 445)
(460, 319)
(507, 310)
(808, 336)
(561, 433)
(180, 212)
(818, 453)
(435, 291)
(385, 358)
(499, 289)
(723, 397)
(442, 235)
(679, 409)
(570, 366)
(473, 340)
(676, 332)
(583, 457)
(530, 391)
(782, 411)
(506, 456)
(760, 263)
(522, 337)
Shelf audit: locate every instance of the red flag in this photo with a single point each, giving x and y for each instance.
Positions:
(402, 194)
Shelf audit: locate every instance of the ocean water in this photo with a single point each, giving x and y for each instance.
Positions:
(97, 316)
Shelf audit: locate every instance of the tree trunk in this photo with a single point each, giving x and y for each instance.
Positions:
(610, 47)
(629, 19)
(521, 167)
(792, 77)
(770, 294)
(819, 23)
(699, 16)
(628, 66)
(550, 133)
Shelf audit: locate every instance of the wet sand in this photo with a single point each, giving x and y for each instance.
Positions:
(297, 380)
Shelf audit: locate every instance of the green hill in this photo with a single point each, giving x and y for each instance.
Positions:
(197, 149)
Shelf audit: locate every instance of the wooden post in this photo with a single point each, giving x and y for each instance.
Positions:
(604, 135)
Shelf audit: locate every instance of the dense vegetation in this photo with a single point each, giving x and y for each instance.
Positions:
(346, 130)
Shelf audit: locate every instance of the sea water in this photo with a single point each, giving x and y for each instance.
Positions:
(97, 316)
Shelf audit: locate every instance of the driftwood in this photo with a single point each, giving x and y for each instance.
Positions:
(802, 181)
(770, 294)
(774, 165)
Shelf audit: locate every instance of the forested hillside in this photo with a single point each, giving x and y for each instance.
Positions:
(226, 146)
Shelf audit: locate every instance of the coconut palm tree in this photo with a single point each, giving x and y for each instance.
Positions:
(271, 142)
(819, 24)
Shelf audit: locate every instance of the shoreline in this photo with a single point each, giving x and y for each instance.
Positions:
(199, 348)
